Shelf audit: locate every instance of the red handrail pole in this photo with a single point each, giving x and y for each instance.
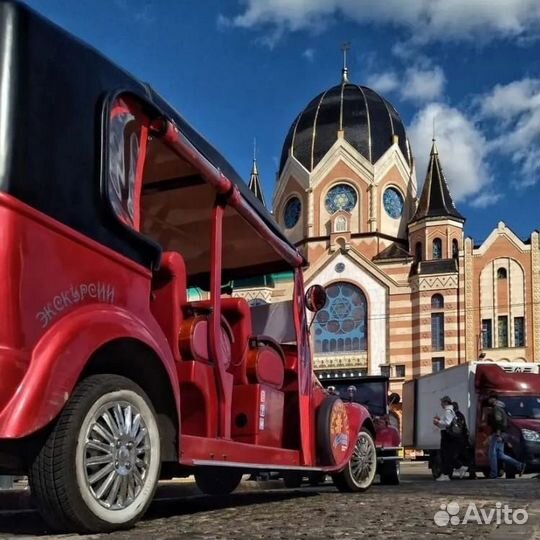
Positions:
(224, 379)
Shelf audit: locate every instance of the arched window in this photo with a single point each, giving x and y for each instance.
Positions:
(418, 252)
(342, 325)
(501, 273)
(437, 249)
(340, 224)
(437, 301)
(455, 248)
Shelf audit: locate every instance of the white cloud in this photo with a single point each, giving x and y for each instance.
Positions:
(422, 85)
(427, 20)
(417, 84)
(384, 82)
(514, 112)
(309, 54)
(462, 152)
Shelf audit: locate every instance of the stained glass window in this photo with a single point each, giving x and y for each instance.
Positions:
(437, 248)
(342, 325)
(393, 202)
(291, 215)
(341, 197)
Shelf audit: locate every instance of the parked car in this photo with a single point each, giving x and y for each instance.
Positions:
(112, 209)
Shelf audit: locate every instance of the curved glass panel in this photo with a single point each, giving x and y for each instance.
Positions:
(341, 326)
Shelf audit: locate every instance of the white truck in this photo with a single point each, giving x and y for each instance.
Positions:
(517, 386)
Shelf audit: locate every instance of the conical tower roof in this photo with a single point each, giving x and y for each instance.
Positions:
(436, 201)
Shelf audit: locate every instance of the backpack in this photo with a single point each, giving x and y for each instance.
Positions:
(500, 418)
(457, 426)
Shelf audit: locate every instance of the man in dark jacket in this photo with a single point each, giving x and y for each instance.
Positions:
(498, 422)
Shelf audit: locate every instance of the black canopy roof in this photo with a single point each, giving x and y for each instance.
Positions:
(51, 129)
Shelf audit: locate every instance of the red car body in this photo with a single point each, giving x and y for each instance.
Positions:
(112, 209)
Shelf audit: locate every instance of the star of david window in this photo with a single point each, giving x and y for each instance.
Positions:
(393, 202)
(341, 326)
(291, 215)
(341, 197)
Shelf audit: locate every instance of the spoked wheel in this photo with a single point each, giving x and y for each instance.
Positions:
(218, 480)
(99, 468)
(359, 473)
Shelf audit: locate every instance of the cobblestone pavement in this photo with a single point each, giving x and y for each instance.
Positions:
(389, 512)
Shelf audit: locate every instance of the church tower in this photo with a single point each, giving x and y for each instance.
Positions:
(345, 195)
(437, 274)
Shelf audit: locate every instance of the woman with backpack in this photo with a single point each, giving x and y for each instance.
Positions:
(451, 438)
(498, 422)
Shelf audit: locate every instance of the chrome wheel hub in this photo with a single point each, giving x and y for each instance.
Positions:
(116, 454)
(363, 460)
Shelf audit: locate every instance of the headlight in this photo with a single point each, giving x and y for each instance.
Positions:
(530, 435)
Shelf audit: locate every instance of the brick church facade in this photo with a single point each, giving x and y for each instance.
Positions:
(408, 293)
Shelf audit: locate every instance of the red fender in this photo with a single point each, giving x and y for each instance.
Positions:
(61, 355)
(358, 416)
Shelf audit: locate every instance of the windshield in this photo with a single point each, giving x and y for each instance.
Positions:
(522, 406)
(370, 394)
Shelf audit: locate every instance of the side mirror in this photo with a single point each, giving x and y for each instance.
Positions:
(315, 298)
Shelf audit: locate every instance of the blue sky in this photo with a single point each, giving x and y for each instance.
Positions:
(239, 69)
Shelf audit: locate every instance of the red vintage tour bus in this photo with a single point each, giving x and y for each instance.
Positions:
(111, 208)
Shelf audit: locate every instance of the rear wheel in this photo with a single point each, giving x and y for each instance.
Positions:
(360, 471)
(99, 467)
(218, 480)
(390, 473)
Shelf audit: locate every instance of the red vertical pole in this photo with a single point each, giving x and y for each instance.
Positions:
(215, 347)
(305, 371)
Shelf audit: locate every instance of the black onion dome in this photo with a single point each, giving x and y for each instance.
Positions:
(369, 123)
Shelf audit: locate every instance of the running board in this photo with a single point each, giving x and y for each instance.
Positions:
(269, 467)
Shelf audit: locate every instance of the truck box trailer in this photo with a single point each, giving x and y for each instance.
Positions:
(469, 384)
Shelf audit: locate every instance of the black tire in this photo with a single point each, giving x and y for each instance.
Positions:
(292, 480)
(316, 479)
(66, 496)
(347, 480)
(218, 480)
(390, 473)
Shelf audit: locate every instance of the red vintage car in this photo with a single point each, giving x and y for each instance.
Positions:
(113, 210)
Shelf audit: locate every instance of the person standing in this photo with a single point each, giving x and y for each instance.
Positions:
(449, 443)
(498, 422)
(465, 457)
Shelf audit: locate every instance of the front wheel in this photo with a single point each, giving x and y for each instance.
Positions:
(360, 471)
(99, 467)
